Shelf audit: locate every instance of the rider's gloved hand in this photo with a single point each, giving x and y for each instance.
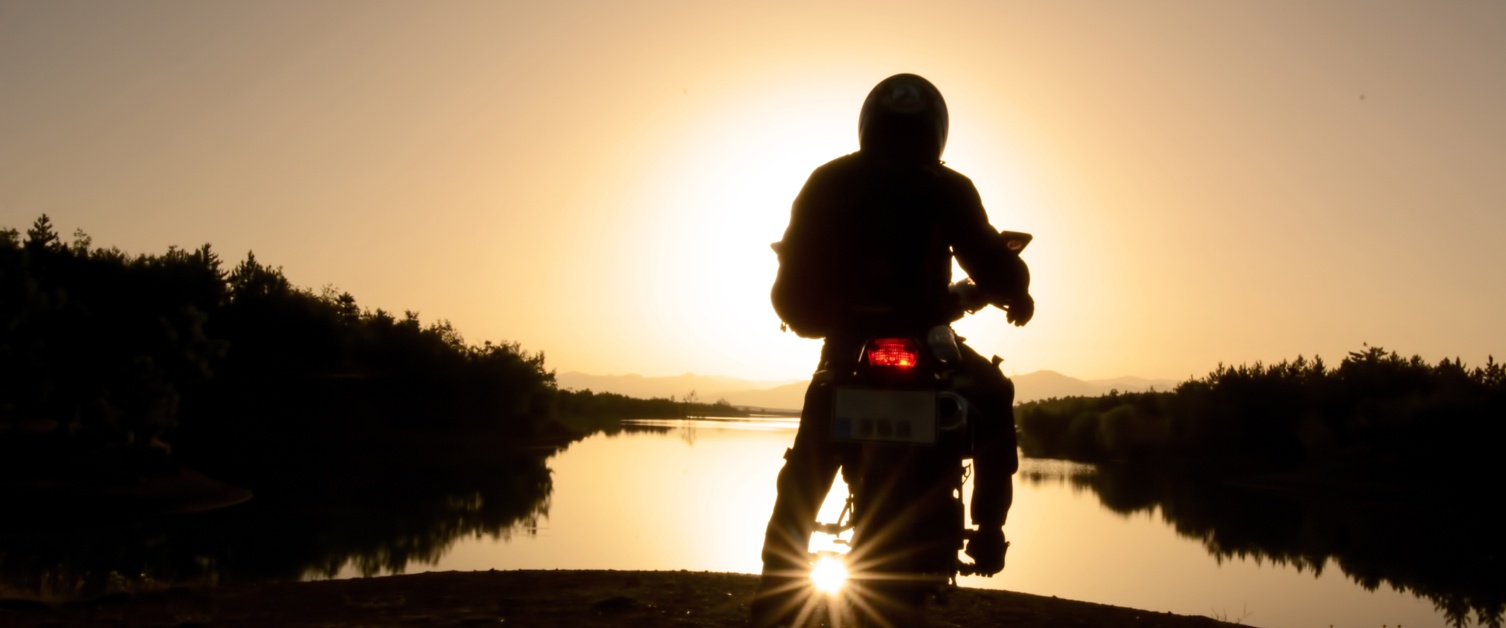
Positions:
(1019, 310)
(987, 549)
(968, 295)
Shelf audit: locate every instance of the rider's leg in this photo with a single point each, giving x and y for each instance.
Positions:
(995, 456)
(809, 469)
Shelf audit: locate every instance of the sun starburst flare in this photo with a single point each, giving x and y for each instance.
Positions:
(829, 575)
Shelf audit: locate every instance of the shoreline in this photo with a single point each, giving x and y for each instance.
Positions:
(530, 598)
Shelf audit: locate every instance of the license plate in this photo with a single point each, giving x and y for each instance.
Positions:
(891, 416)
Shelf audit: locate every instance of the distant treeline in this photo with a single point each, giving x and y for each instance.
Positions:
(1376, 413)
(585, 403)
(103, 349)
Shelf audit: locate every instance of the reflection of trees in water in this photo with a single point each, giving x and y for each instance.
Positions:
(1053, 471)
(412, 517)
(374, 520)
(1433, 544)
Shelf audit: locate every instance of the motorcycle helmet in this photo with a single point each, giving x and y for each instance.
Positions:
(904, 118)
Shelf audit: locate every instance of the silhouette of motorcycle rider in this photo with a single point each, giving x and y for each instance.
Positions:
(869, 249)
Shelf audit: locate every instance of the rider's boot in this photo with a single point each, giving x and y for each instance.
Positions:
(784, 584)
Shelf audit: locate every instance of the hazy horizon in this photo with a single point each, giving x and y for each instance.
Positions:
(778, 382)
(1207, 182)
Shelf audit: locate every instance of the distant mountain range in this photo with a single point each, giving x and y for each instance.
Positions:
(790, 395)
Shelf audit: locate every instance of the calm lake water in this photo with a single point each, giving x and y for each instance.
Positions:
(695, 494)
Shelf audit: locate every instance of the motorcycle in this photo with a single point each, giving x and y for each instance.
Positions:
(903, 428)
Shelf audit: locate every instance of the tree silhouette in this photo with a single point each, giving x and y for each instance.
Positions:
(1377, 415)
(106, 349)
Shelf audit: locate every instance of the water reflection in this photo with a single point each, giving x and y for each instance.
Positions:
(345, 516)
(694, 494)
(689, 429)
(772, 424)
(651, 501)
(366, 520)
(1429, 545)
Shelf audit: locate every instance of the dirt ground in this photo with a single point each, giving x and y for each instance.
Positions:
(531, 598)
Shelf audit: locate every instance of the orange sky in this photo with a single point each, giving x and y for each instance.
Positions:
(1207, 181)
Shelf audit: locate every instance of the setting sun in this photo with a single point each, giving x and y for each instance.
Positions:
(603, 185)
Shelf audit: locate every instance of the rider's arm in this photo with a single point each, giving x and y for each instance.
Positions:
(983, 255)
(803, 294)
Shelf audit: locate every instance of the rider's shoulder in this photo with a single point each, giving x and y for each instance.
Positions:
(848, 162)
(854, 166)
(946, 173)
(845, 168)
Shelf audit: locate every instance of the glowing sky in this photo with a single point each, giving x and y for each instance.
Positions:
(1207, 181)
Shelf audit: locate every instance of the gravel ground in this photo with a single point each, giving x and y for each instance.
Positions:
(534, 598)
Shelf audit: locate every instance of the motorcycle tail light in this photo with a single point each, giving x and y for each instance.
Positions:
(900, 353)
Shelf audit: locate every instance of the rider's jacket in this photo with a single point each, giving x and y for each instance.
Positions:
(870, 243)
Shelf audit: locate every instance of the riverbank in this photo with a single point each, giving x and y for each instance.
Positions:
(529, 598)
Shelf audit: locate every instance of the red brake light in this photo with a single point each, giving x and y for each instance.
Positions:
(898, 353)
